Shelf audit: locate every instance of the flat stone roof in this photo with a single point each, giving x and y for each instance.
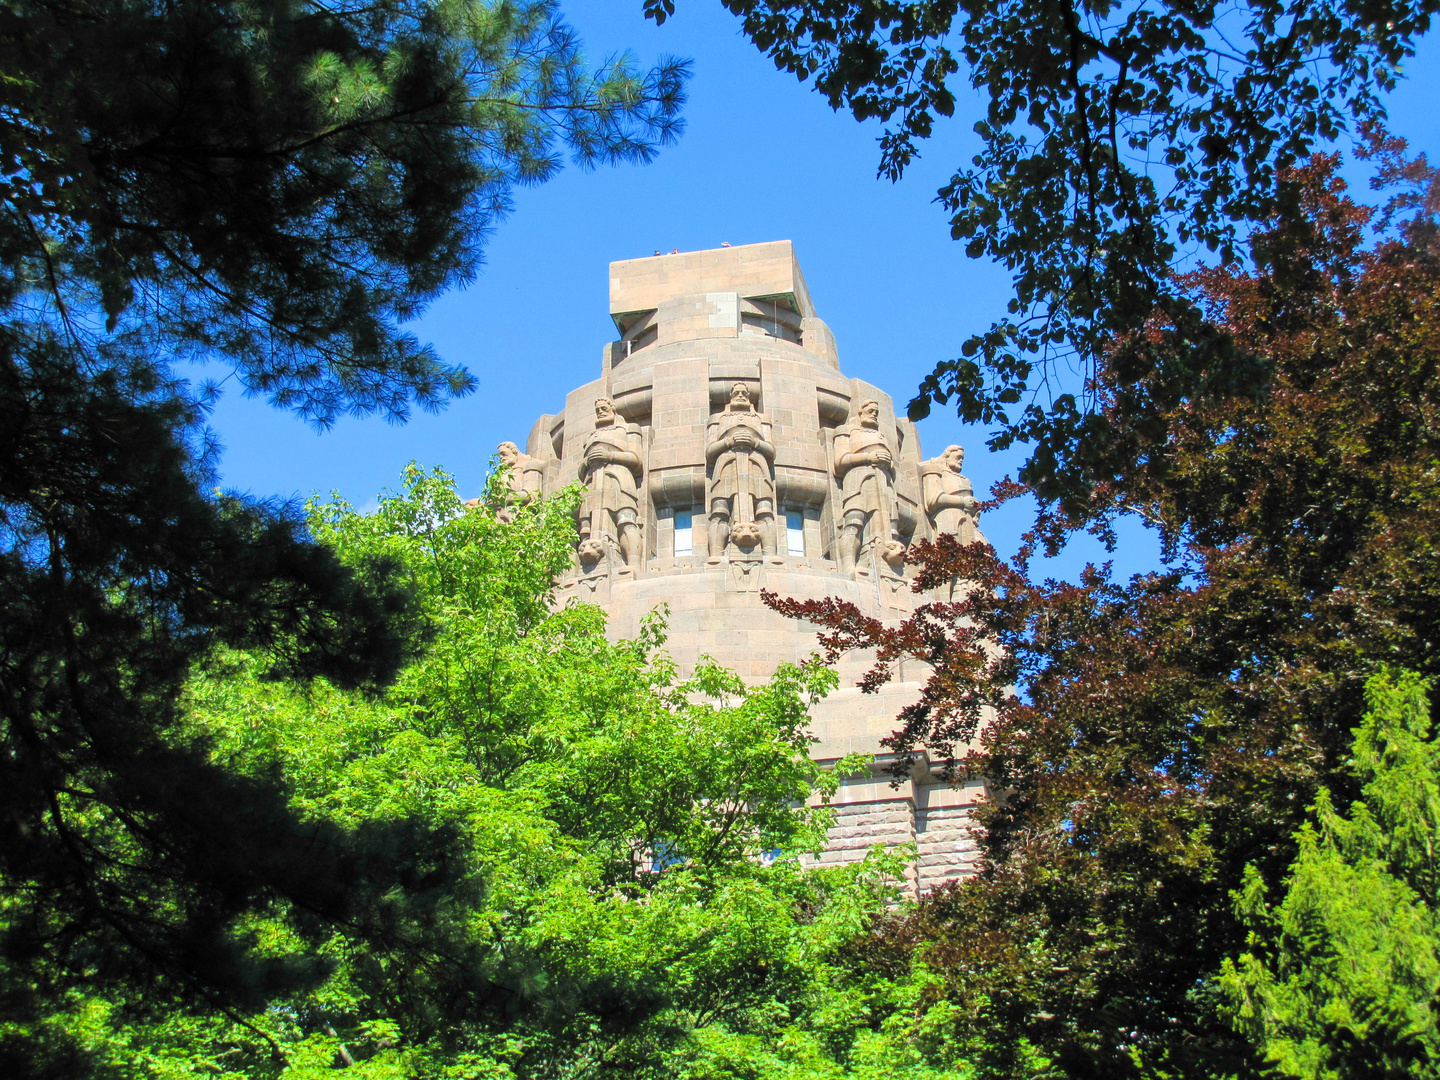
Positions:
(753, 271)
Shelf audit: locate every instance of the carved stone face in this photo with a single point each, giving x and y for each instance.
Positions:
(954, 458)
(746, 534)
(509, 453)
(740, 398)
(870, 414)
(604, 410)
(591, 551)
(894, 554)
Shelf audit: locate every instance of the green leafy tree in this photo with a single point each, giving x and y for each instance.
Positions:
(277, 187)
(1340, 977)
(624, 890)
(1157, 736)
(1115, 139)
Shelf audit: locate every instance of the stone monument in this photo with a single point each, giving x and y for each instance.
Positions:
(949, 498)
(524, 481)
(611, 467)
(723, 451)
(741, 474)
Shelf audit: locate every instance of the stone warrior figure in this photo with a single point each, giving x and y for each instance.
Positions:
(612, 470)
(742, 489)
(949, 499)
(522, 482)
(865, 467)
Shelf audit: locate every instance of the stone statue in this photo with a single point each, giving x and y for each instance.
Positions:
(522, 482)
(589, 552)
(742, 488)
(865, 467)
(612, 471)
(949, 499)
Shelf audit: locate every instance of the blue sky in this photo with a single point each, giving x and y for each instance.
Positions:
(762, 158)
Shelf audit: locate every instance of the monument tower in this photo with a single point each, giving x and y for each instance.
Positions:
(723, 451)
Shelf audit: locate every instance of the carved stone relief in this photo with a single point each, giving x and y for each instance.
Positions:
(949, 498)
(522, 482)
(590, 552)
(612, 470)
(865, 468)
(746, 575)
(740, 461)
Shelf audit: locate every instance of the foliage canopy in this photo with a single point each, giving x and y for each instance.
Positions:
(283, 183)
(1115, 140)
(1340, 977)
(276, 187)
(621, 891)
(1169, 731)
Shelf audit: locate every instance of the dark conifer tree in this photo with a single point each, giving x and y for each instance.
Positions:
(277, 187)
